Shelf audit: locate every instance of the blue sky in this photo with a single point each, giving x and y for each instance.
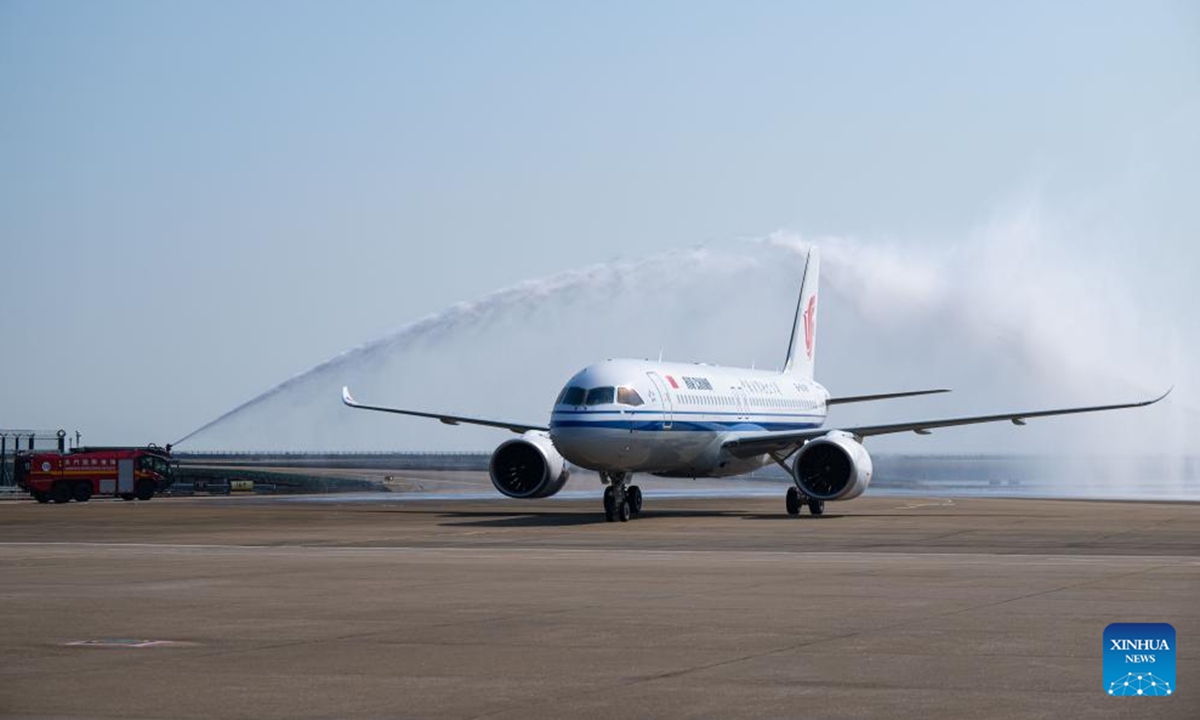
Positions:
(199, 200)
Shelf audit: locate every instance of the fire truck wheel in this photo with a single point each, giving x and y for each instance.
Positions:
(145, 489)
(126, 496)
(41, 497)
(82, 492)
(61, 492)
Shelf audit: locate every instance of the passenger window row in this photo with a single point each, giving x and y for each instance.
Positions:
(771, 402)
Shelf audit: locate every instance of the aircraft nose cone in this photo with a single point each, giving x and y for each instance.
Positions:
(591, 448)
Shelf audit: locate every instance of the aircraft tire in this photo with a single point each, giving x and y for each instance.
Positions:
(793, 501)
(816, 507)
(623, 511)
(610, 504)
(634, 493)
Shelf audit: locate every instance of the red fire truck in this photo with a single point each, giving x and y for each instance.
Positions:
(126, 472)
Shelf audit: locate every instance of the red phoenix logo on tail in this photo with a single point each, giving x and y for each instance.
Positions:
(810, 325)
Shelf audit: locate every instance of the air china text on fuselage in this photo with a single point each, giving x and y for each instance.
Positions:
(621, 417)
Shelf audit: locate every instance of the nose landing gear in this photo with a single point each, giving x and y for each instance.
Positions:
(621, 500)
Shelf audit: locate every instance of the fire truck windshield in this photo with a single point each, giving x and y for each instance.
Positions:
(156, 464)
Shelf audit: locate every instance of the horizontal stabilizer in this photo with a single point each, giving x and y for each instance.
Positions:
(882, 396)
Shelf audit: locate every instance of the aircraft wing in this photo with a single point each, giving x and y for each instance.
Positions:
(882, 396)
(518, 428)
(750, 445)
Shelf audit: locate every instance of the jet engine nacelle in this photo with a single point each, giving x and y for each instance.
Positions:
(528, 467)
(833, 467)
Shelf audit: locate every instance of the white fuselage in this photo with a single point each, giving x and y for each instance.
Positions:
(671, 419)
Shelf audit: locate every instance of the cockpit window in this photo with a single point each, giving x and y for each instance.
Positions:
(628, 396)
(599, 396)
(572, 395)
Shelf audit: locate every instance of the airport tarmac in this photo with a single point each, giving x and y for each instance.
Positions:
(711, 607)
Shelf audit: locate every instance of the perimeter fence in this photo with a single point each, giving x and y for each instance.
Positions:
(14, 439)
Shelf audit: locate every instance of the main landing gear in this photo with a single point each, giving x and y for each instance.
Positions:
(621, 500)
(796, 502)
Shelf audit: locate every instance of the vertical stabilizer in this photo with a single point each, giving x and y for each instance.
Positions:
(802, 349)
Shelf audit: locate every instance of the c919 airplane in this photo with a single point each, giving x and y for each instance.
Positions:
(621, 417)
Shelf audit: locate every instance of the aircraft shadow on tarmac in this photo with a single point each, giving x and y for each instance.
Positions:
(550, 518)
(555, 519)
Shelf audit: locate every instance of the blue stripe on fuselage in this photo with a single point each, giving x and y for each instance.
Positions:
(659, 413)
(649, 425)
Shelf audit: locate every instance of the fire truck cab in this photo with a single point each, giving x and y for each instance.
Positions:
(124, 472)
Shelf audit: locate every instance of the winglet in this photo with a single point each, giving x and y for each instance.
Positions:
(347, 398)
(1144, 403)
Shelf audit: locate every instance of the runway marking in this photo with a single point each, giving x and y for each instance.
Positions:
(915, 505)
(128, 643)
